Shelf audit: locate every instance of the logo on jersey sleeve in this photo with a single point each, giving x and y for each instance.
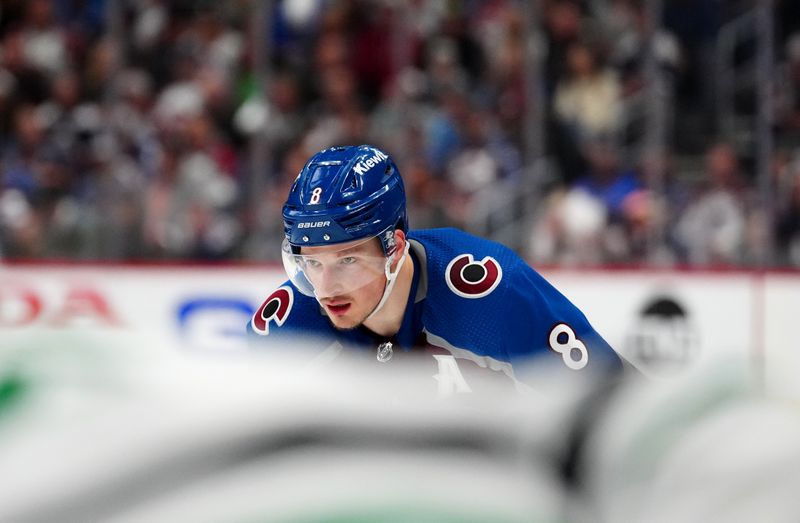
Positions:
(471, 279)
(275, 308)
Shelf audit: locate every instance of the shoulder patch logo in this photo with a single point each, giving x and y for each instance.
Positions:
(276, 307)
(471, 279)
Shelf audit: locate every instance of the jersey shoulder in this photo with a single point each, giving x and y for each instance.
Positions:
(471, 267)
(459, 256)
(483, 297)
(466, 287)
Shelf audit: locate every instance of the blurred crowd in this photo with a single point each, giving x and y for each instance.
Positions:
(170, 130)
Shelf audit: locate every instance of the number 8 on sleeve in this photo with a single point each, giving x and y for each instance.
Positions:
(566, 348)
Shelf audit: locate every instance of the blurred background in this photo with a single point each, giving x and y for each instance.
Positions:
(579, 132)
(643, 154)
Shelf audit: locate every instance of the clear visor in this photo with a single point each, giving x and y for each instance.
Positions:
(338, 270)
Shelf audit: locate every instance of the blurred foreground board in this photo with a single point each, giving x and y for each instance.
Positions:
(143, 432)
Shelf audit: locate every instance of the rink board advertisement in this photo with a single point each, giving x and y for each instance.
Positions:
(781, 298)
(663, 321)
(666, 322)
(186, 307)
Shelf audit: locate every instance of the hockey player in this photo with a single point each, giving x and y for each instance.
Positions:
(358, 277)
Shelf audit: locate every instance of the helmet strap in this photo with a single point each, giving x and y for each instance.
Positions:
(391, 277)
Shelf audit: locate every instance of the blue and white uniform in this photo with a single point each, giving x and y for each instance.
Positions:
(471, 298)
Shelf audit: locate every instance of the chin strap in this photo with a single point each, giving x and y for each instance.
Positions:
(391, 277)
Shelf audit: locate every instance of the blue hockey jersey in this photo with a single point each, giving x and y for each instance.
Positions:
(471, 298)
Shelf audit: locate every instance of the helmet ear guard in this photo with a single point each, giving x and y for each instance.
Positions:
(391, 277)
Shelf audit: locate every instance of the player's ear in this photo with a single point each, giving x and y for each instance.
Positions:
(400, 238)
(400, 246)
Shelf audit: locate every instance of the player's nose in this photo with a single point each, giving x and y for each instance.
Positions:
(328, 283)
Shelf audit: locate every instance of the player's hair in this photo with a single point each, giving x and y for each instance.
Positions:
(344, 194)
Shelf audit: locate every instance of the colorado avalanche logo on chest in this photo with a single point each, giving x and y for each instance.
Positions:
(471, 279)
(275, 308)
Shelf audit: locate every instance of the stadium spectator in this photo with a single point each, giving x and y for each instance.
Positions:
(596, 218)
(107, 194)
(787, 226)
(44, 41)
(485, 161)
(568, 230)
(189, 205)
(695, 24)
(619, 190)
(563, 26)
(606, 179)
(28, 83)
(265, 230)
(278, 114)
(634, 44)
(787, 106)
(712, 229)
(500, 28)
(587, 100)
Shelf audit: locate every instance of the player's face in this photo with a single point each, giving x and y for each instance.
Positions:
(348, 280)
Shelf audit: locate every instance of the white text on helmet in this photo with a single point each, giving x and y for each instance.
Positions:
(365, 165)
(312, 225)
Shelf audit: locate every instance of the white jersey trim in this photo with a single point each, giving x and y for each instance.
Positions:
(485, 362)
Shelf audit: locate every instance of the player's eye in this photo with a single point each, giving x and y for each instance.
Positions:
(314, 264)
(348, 260)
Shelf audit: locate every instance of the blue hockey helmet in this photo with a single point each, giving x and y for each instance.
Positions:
(344, 194)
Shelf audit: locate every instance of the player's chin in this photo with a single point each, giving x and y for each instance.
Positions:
(345, 324)
(347, 320)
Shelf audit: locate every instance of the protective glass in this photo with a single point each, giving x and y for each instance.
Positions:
(336, 270)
